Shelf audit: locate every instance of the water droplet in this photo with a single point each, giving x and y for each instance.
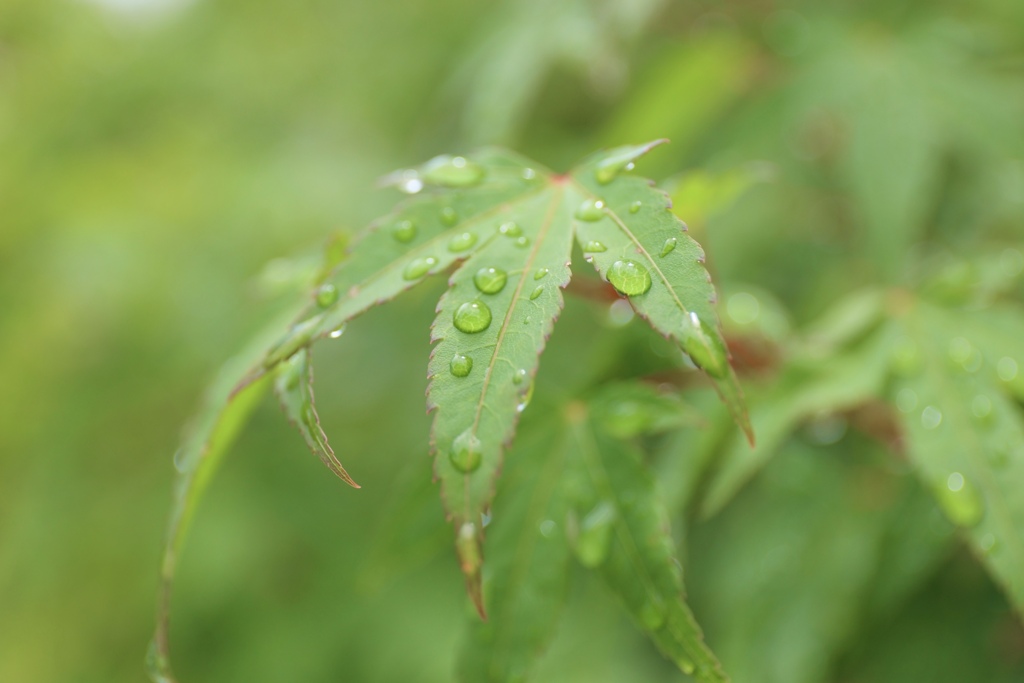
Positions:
(981, 409)
(519, 377)
(419, 267)
(526, 320)
(960, 500)
(594, 247)
(743, 308)
(609, 169)
(931, 417)
(448, 216)
(595, 535)
(652, 614)
(668, 247)
(906, 400)
(629, 278)
(704, 347)
(404, 231)
(462, 242)
(590, 210)
(548, 528)
(472, 317)
(510, 229)
(182, 461)
(541, 274)
(960, 350)
(529, 174)
(337, 332)
(536, 293)
(490, 280)
(461, 365)
(1006, 368)
(635, 206)
(326, 295)
(906, 357)
(485, 518)
(522, 241)
(620, 313)
(409, 181)
(452, 171)
(466, 453)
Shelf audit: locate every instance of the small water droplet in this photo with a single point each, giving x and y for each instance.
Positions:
(635, 206)
(594, 247)
(529, 174)
(704, 347)
(526, 320)
(485, 518)
(404, 231)
(906, 400)
(466, 453)
(1006, 368)
(668, 247)
(326, 295)
(931, 417)
(490, 280)
(462, 242)
(419, 267)
(609, 169)
(410, 182)
(590, 210)
(629, 278)
(519, 377)
(522, 241)
(548, 528)
(452, 171)
(652, 615)
(743, 308)
(510, 229)
(960, 500)
(541, 274)
(472, 317)
(536, 293)
(448, 216)
(337, 332)
(595, 535)
(981, 409)
(461, 365)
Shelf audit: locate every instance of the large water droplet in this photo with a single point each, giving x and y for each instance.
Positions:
(466, 453)
(609, 168)
(595, 535)
(326, 295)
(472, 317)
(1007, 369)
(931, 417)
(635, 206)
(510, 229)
(461, 365)
(629, 277)
(594, 247)
(490, 280)
(704, 347)
(668, 247)
(419, 267)
(452, 171)
(541, 274)
(448, 216)
(462, 242)
(404, 231)
(536, 293)
(961, 500)
(590, 210)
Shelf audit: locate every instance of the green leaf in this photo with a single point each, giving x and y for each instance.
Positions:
(528, 563)
(293, 385)
(625, 229)
(623, 534)
(491, 326)
(964, 434)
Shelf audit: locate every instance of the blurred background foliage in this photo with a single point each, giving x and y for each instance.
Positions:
(170, 168)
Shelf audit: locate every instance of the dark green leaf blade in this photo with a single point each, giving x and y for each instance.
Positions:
(437, 227)
(625, 228)
(293, 385)
(491, 326)
(624, 535)
(528, 561)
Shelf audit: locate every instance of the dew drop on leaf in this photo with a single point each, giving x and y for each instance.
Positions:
(522, 241)
(490, 280)
(326, 295)
(519, 376)
(536, 293)
(404, 231)
(452, 172)
(472, 317)
(595, 535)
(629, 277)
(635, 206)
(466, 453)
(960, 500)
(337, 332)
(461, 365)
(462, 242)
(448, 216)
(668, 247)
(510, 229)
(540, 274)
(704, 347)
(590, 210)
(594, 247)
(417, 268)
(609, 169)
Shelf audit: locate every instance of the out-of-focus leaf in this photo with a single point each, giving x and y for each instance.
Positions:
(627, 409)
(626, 231)
(622, 532)
(696, 195)
(964, 434)
(528, 561)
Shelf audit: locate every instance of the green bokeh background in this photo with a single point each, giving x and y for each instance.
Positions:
(167, 169)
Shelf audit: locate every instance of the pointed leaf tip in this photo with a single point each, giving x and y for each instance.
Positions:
(469, 548)
(613, 162)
